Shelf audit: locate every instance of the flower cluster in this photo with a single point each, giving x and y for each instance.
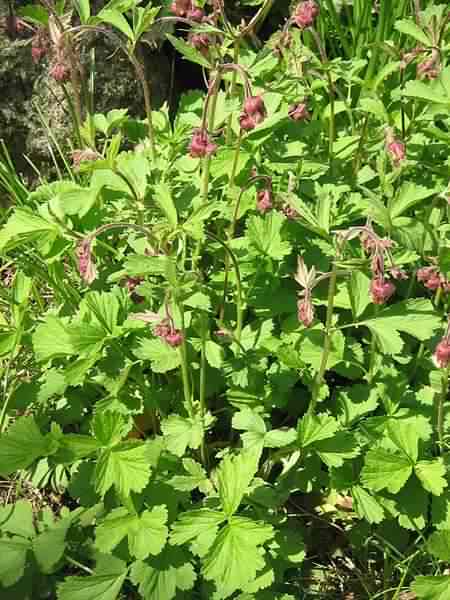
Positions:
(201, 144)
(305, 14)
(253, 113)
(432, 279)
(163, 328)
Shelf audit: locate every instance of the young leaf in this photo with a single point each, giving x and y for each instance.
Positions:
(163, 357)
(94, 587)
(127, 466)
(180, 432)
(384, 470)
(432, 475)
(163, 197)
(234, 475)
(21, 445)
(235, 557)
(117, 20)
(264, 234)
(196, 479)
(146, 533)
(195, 523)
(410, 28)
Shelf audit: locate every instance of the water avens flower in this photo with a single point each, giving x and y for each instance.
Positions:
(441, 355)
(180, 8)
(381, 290)
(60, 72)
(86, 265)
(264, 201)
(395, 148)
(174, 338)
(305, 310)
(201, 145)
(201, 42)
(306, 13)
(253, 113)
(299, 112)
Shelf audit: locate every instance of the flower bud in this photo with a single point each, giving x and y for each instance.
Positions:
(427, 69)
(60, 72)
(305, 14)
(174, 338)
(247, 122)
(201, 42)
(424, 273)
(381, 290)
(441, 356)
(86, 265)
(86, 155)
(264, 201)
(305, 311)
(180, 8)
(289, 212)
(254, 105)
(196, 15)
(201, 144)
(299, 112)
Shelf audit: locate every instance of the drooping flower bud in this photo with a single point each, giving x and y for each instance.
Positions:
(247, 122)
(395, 148)
(253, 113)
(305, 14)
(60, 72)
(424, 273)
(163, 329)
(201, 144)
(264, 201)
(428, 69)
(381, 290)
(196, 15)
(289, 212)
(305, 310)
(174, 338)
(201, 42)
(39, 45)
(441, 356)
(180, 8)
(86, 265)
(299, 112)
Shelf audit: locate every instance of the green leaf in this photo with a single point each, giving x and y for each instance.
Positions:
(102, 309)
(160, 578)
(234, 475)
(196, 479)
(432, 588)
(264, 234)
(439, 544)
(49, 547)
(14, 557)
(415, 317)
(17, 519)
(194, 524)
(404, 437)
(127, 466)
(366, 506)
(21, 445)
(96, 587)
(408, 196)
(314, 428)
(334, 451)
(180, 433)
(385, 470)
(163, 357)
(109, 427)
(52, 339)
(84, 10)
(359, 292)
(117, 20)
(214, 354)
(432, 92)
(25, 227)
(235, 558)
(432, 475)
(188, 51)
(412, 29)
(146, 533)
(163, 197)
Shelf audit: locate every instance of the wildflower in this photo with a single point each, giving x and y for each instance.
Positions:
(201, 144)
(397, 273)
(381, 290)
(395, 148)
(196, 15)
(174, 338)
(299, 112)
(289, 212)
(264, 201)
(253, 113)
(86, 265)
(441, 355)
(180, 8)
(131, 284)
(86, 155)
(305, 310)
(305, 14)
(201, 42)
(424, 273)
(60, 72)
(39, 45)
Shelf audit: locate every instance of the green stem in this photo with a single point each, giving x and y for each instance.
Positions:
(203, 448)
(379, 38)
(441, 398)
(340, 31)
(140, 72)
(327, 340)
(232, 90)
(184, 364)
(207, 159)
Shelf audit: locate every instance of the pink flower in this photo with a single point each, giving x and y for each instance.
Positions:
(247, 122)
(305, 13)
(163, 329)
(180, 8)
(201, 42)
(427, 69)
(441, 356)
(201, 144)
(86, 155)
(264, 201)
(174, 338)
(397, 273)
(381, 290)
(86, 265)
(396, 150)
(424, 273)
(299, 112)
(196, 15)
(60, 72)
(305, 310)
(289, 212)
(253, 113)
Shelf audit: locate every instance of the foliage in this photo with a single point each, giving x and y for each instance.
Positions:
(214, 318)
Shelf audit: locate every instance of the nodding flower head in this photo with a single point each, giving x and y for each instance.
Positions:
(306, 13)
(299, 112)
(60, 72)
(381, 290)
(253, 113)
(181, 8)
(395, 148)
(86, 265)
(289, 212)
(201, 145)
(81, 156)
(305, 310)
(196, 15)
(201, 42)
(39, 45)
(432, 279)
(441, 355)
(428, 69)
(264, 200)
(174, 338)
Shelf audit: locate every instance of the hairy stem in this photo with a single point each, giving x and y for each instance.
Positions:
(440, 399)
(138, 64)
